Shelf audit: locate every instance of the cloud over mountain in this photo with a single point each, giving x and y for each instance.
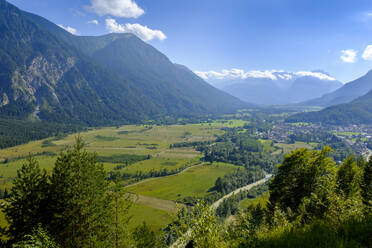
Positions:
(142, 32)
(69, 29)
(268, 74)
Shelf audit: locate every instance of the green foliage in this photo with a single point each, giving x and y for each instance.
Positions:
(38, 239)
(198, 227)
(340, 149)
(312, 203)
(238, 179)
(240, 149)
(301, 175)
(29, 198)
(120, 204)
(367, 185)
(79, 198)
(16, 132)
(144, 237)
(349, 177)
(230, 206)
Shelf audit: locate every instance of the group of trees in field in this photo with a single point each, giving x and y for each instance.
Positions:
(230, 206)
(322, 138)
(240, 148)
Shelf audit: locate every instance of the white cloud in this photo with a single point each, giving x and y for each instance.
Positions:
(367, 54)
(235, 74)
(319, 75)
(269, 74)
(93, 22)
(117, 8)
(69, 29)
(142, 32)
(349, 55)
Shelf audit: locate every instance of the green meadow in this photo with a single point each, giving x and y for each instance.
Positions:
(195, 182)
(132, 149)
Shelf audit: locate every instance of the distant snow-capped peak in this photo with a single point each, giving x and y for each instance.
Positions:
(267, 74)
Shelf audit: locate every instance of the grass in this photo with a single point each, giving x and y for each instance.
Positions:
(156, 219)
(262, 199)
(287, 148)
(268, 145)
(159, 164)
(194, 182)
(111, 144)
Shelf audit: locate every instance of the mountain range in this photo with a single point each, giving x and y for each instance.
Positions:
(345, 94)
(349, 105)
(49, 74)
(274, 87)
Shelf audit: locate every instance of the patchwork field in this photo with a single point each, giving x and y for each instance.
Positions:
(133, 150)
(195, 181)
(287, 148)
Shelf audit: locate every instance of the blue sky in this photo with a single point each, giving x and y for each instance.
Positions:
(213, 35)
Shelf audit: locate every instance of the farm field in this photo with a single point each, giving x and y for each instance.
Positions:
(108, 142)
(287, 148)
(156, 219)
(195, 182)
(136, 149)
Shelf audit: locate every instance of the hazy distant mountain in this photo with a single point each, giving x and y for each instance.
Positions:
(272, 87)
(346, 93)
(47, 73)
(359, 111)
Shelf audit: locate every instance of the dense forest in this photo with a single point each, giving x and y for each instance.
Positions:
(16, 132)
(240, 148)
(358, 111)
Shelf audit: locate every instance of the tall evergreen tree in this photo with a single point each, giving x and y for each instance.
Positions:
(367, 185)
(79, 199)
(120, 204)
(348, 176)
(28, 203)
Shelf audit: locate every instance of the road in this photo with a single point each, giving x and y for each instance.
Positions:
(180, 242)
(216, 204)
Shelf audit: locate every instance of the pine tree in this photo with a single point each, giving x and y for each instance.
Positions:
(121, 202)
(79, 199)
(349, 176)
(367, 185)
(27, 206)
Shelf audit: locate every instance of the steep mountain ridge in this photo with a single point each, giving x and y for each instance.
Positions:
(346, 93)
(359, 111)
(47, 73)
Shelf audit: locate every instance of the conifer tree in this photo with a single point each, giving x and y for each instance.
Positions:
(27, 206)
(79, 199)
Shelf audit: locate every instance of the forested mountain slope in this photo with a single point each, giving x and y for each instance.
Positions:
(358, 111)
(346, 93)
(49, 74)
